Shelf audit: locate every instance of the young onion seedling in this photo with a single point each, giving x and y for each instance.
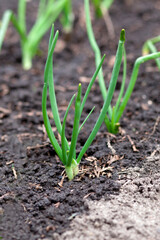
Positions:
(102, 10)
(114, 114)
(101, 6)
(149, 47)
(48, 11)
(3, 25)
(67, 151)
(67, 17)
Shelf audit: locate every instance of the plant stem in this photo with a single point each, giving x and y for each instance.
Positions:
(132, 82)
(109, 96)
(48, 126)
(96, 51)
(22, 15)
(72, 170)
(153, 49)
(3, 28)
(63, 138)
(75, 126)
(26, 58)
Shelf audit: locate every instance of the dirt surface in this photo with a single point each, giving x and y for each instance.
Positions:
(132, 214)
(117, 192)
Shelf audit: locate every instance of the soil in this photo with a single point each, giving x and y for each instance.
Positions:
(117, 192)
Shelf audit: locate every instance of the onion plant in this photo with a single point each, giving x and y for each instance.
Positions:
(67, 17)
(149, 47)
(4, 25)
(67, 151)
(114, 113)
(101, 6)
(101, 9)
(48, 11)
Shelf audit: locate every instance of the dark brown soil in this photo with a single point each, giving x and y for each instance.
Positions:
(36, 201)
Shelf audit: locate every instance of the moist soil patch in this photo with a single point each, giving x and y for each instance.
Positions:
(119, 173)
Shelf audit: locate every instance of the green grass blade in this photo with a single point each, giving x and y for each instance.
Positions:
(86, 119)
(75, 126)
(48, 126)
(94, 47)
(41, 8)
(150, 47)
(67, 17)
(97, 6)
(63, 138)
(91, 83)
(49, 79)
(52, 44)
(113, 116)
(53, 100)
(133, 79)
(22, 15)
(145, 49)
(108, 99)
(101, 6)
(18, 28)
(155, 39)
(108, 123)
(153, 49)
(31, 41)
(48, 76)
(97, 52)
(45, 21)
(113, 126)
(123, 82)
(51, 38)
(4, 25)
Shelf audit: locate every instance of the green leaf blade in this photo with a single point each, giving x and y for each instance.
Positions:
(75, 126)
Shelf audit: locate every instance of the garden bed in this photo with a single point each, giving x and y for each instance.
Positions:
(117, 192)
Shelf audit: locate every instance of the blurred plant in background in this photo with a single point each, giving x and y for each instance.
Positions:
(4, 25)
(150, 47)
(102, 10)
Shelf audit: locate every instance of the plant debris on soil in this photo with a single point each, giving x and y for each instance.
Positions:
(116, 194)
